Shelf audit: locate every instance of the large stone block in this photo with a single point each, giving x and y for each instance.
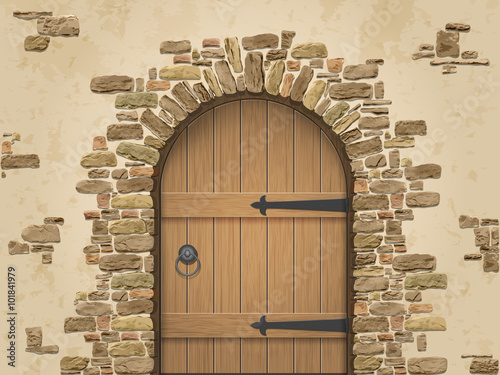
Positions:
(425, 323)
(142, 365)
(124, 131)
(362, 324)
(426, 281)
(370, 202)
(94, 186)
(313, 94)
(423, 171)
(79, 324)
(127, 349)
(422, 199)
(414, 262)
(274, 77)
(484, 366)
(135, 100)
(260, 41)
(157, 126)
(364, 148)
(98, 159)
(370, 284)
(410, 127)
(132, 201)
(367, 363)
(94, 308)
(301, 82)
(427, 365)
(134, 243)
(371, 271)
(367, 240)
(111, 84)
(177, 72)
(447, 44)
(132, 280)
(233, 53)
(368, 226)
(387, 308)
(41, 233)
(351, 90)
(335, 112)
(137, 152)
(135, 185)
(74, 363)
(132, 323)
(309, 50)
(20, 161)
(369, 348)
(360, 71)
(138, 306)
(127, 226)
(387, 186)
(58, 25)
(120, 262)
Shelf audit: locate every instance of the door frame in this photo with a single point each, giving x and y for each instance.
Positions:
(156, 196)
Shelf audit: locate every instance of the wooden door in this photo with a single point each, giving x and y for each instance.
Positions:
(288, 265)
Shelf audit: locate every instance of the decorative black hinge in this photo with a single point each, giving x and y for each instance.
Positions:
(332, 325)
(339, 205)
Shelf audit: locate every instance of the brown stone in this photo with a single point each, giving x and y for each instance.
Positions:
(41, 233)
(378, 122)
(466, 221)
(367, 363)
(447, 44)
(490, 262)
(134, 243)
(365, 259)
(351, 135)
(211, 42)
(201, 92)
(138, 306)
(127, 349)
(226, 78)
(364, 148)
(175, 46)
(93, 186)
(94, 308)
(254, 72)
(370, 202)
(98, 296)
(48, 349)
(124, 131)
(422, 199)
(275, 77)
(423, 171)
(34, 336)
(309, 50)
(233, 53)
(58, 25)
(134, 365)
(20, 161)
(129, 281)
(287, 85)
(368, 226)
(438, 61)
(370, 324)
(141, 293)
(345, 122)
(335, 65)
(470, 55)
(368, 348)
(276, 54)
(136, 100)
(217, 53)
(156, 125)
(360, 71)
(379, 89)
(422, 55)
(36, 43)
(212, 82)
(387, 186)
(260, 41)
(457, 26)
(367, 240)
(414, 262)
(484, 366)
(387, 308)
(74, 363)
(410, 127)
(98, 173)
(138, 152)
(370, 284)
(376, 161)
(335, 112)
(30, 15)
(352, 90)
(79, 324)
(16, 247)
(286, 38)
(100, 227)
(120, 262)
(135, 185)
(184, 97)
(427, 365)
(111, 84)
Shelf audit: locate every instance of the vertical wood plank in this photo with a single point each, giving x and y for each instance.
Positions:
(280, 232)
(174, 286)
(333, 264)
(254, 230)
(307, 241)
(200, 235)
(227, 264)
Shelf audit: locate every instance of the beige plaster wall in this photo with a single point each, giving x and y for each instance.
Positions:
(46, 97)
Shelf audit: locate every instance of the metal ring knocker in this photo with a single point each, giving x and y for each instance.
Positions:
(187, 255)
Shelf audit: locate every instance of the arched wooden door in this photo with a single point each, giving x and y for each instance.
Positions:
(289, 265)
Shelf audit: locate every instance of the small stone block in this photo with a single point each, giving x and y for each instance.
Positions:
(46, 258)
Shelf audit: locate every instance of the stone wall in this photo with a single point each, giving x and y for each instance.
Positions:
(486, 239)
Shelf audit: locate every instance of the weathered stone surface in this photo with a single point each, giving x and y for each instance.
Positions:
(41, 233)
(20, 161)
(377, 122)
(370, 324)
(309, 50)
(135, 185)
(370, 202)
(79, 324)
(439, 61)
(217, 53)
(30, 15)
(48, 349)
(98, 295)
(98, 173)
(111, 84)
(410, 127)
(254, 72)
(484, 366)
(422, 199)
(286, 38)
(16, 247)
(274, 77)
(170, 105)
(364, 148)
(127, 226)
(352, 90)
(287, 85)
(139, 306)
(367, 240)
(370, 284)
(447, 44)
(368, 226)
(94, 308)
(58, 25)
(99, 159)
(367, 363)
(36, 42)
(276, 54)
(120, 262)
(134, 151)
(427, 365)
(387, 186)
(376, 161)
(184, 97)
(175, 46)
(134, 243)
(212, 82)
(387, 308)
(400, 142)
(124, 131)
(336, 112)
(74, 363)
(482, 236)
(127, 349)
(470, 55)
(201, 92)
(425, 323)
(233, 53)
(260, 41)
(490, 262)
(360, 71)
(351, 135)
(426, 281)
(414, 262)
(345, 122)
(132, 280)
(371, 271)
(457, 26)
(180, 72)
(466, 221)
(132, 201)
(423, 171)
(364, 259)
(368, 348)
(313, 94)
(158, 127)
(135, 100)
(34, 336)
(94, 186)
(226, 78)
(142, 365)
(132, 323)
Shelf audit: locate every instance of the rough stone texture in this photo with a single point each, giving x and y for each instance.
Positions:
(360, 71)
(313, 94)
(94, 186)
(58, 25)
(484, 366)
(367, 363)
(276, 54)
(126, 349)
(135, 185)
(426, 281)
(20, 161)
(111, 84)
(274, 77)
(94, 308)
(368, 348)
(41, 233)
(143, 365)
(132, 280)
(79, 324)
(260, 41)
(362, 324)
(171, 106)
(98, 159)
(457, 26)
(351, 135)
(286, 38)
(425, 323)
(98, 173)
(387, 186)
(177, 72)
(127, 226)
(423, 171)
(30, 15)
(377, 122)
(74, 363)
(335, 65)
(134, 151)
(120, 262)
(371, 271)
(36, 42)
(48, 349)
(132, 201)
(139, 306)
(364, 148)
(233, 53)
(482, 236)
(387, 308)
(134, 243)
(217, 53)
(470, 55)
(336, 112)
(400, 142)
(368, 226)
(175, 46)
(422, 199)
(447, 44)
(254, 72)
(16, 247)
(154, 142)
(351, 90)
(427, 365)
(367, 240)
(466, 221)
(201, 92)
(376, 161)
(439, 61)
(490, 262)
(34, 336)
(212, 82)
(226, 78)
(414, 262)
(345, 122)
(132, 323)
(309, 50)
(370, 202)
(371, 284)
(184, 97)
(135, 100)
(410, 127)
